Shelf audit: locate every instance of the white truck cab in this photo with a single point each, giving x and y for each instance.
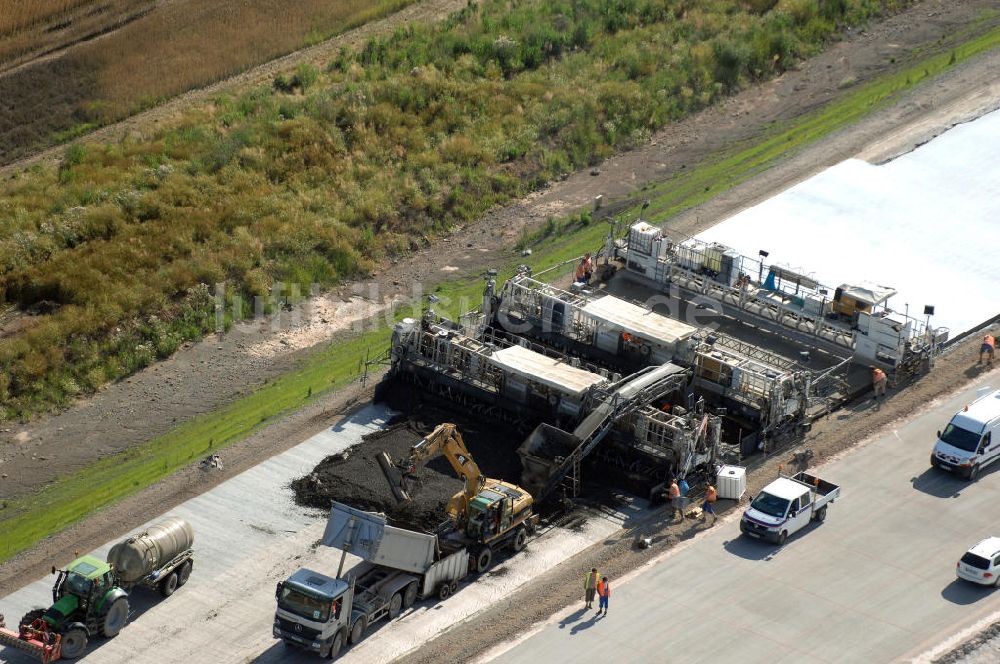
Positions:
(971, 441)
(786, 506)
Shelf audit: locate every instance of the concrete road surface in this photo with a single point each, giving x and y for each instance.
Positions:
(249, 535)
(874, 583)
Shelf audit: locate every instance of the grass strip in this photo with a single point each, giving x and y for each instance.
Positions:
(26, 521)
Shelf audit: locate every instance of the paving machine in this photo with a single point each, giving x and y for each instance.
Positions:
(487, 514)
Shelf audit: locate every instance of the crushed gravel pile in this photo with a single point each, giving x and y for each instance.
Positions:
(355, 478)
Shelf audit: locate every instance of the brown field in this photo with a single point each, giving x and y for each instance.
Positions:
(69, 65)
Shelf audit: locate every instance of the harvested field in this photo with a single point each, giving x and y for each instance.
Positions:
(357, 480)
(67, 67)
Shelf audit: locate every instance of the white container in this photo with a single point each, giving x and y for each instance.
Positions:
(731, 482)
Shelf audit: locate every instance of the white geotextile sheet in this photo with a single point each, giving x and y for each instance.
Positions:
(926, 223)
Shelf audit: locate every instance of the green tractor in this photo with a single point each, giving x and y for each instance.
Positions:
(87, 602)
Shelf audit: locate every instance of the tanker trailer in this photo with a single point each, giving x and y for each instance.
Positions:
(159, 557)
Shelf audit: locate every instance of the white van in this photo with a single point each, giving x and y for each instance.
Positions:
(971, 441)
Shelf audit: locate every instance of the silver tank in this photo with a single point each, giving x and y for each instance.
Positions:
(156, 546)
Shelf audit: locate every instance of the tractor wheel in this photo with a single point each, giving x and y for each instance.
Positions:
(410, 595)
(115, 619)
(520, 539)
(169, 585)
(184, 573)
(31, 616)
(483, 559)
(74, 643)
(358, 630)
(395, 606)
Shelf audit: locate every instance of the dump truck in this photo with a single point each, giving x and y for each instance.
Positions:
(323, 614)
(486, 515)
(90, 596)
(786, 506)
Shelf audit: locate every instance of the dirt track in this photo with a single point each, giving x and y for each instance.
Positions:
(741, 118)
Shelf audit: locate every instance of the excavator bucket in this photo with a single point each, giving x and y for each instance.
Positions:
(394, 477)
(33, 639)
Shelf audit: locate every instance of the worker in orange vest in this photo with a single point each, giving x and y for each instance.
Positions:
(879, 382)
(988, 348)
(708, 507)
(603, 593)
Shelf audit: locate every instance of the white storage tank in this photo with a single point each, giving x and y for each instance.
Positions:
(731, 482)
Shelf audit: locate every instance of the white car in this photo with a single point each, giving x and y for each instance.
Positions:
(981, 563)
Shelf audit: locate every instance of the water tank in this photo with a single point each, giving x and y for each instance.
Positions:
(157, 545)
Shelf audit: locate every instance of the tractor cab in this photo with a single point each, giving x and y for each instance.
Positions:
(83, 584)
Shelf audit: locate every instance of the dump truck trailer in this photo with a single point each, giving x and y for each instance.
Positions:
(324, 613)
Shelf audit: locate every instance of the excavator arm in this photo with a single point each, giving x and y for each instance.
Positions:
(444, 440)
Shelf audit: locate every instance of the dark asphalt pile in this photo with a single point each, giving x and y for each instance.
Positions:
(356, 478)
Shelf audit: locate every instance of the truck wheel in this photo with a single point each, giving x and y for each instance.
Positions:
(74, 643)
(410, 595)
(358, 629)
(169, 585)
(820, 514)
(395, 606)
(115, 619)
(782, 537)
(184, 573)
(31, 616)
(973, 473)
(336, 645)
(520, 539)
(444, 591)
(483, 559)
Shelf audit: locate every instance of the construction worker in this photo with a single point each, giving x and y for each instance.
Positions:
(988, 349)
(590, 587)
(879, 382)
(603, 593)
(708, 507)
(674, 497)
(683, 498)
(588, 266)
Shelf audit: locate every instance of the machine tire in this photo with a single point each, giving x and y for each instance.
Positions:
(115, 619)
(336, 645)
(395, 606)
(973, 473)
(484, 556)
(74, 643)
(169, 585)
(410, 595)
(31, 616)
(358, 630)
(444, 591)
(520, 539)
(782, 537)
(184, 573)
(820, 514)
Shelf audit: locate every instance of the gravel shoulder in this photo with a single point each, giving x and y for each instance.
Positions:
(216, 371)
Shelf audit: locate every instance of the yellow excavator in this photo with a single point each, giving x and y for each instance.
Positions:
(487, 513)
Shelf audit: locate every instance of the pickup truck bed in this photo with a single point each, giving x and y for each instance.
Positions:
(825, 491)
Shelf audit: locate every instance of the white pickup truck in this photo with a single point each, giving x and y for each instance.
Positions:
(786, 506)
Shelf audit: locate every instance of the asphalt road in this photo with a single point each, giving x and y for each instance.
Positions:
(874, 583)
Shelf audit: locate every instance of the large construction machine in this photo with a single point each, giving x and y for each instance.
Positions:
(90, 596)
(487, 514)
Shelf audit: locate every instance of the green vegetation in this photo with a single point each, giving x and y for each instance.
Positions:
(318, 180)
(559, 240)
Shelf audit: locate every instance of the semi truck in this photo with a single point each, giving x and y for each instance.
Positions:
(324, 614)
(90, 596)
(786, 506)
